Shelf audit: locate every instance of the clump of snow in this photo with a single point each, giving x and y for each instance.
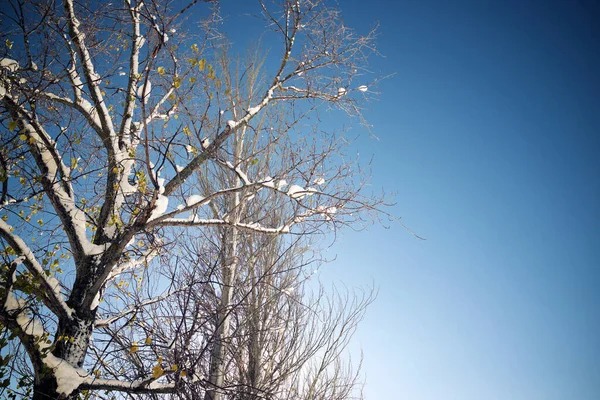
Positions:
(122, 73)
(9, 64)
(296, 192)
(268, 182)
(363, 88)
(178, 168)
(193, 199)
(319, 181)
(162, 202)
(161, 185)
(11, 303)
(253, 110)
(341, 91)
(281, 184)
(67, 377)
(144, 91)
(327, 212)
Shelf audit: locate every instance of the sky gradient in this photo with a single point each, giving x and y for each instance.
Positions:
(489, 133)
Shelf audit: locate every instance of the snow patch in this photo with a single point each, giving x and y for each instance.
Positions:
(268, 182)
(281, 184)
(193, 199)
(162, 202)
(296, 192)
(9, 64)
(144, 93)
(67, 377)
(319, 181)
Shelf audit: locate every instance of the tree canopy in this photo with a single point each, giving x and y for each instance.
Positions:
(162, 200)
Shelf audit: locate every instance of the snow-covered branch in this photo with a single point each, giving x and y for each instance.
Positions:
(145, 385)
(54, 179)
(92, 78)
(49, 285)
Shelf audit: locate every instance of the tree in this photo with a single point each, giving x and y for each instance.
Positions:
(139, 165)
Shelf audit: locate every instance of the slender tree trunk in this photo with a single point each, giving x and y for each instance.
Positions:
(217, 362)
(228, 267)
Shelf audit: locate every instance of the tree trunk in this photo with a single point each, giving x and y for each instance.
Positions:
(72, 350)
(217, 359)
(70, 344)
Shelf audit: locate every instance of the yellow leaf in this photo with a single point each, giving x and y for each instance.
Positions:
(157, 371)
(23, 137)
(192, 79)
(8, 44)
(12, 125)
(148, 341)
(202, 64)
(174, 367)
(161, 70)
(134, 348)
(183, 373)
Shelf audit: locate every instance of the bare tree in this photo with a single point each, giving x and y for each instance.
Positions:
(125, 138)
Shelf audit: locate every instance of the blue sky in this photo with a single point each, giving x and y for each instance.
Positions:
(489, 133)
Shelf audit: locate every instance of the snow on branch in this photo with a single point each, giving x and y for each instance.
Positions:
(145, 385)
(49, 285)
(93, 79)
(230, 128)
(132, 264)
(251, 227)
(54, 179)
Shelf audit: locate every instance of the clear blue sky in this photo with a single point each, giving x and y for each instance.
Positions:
(490, 135)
